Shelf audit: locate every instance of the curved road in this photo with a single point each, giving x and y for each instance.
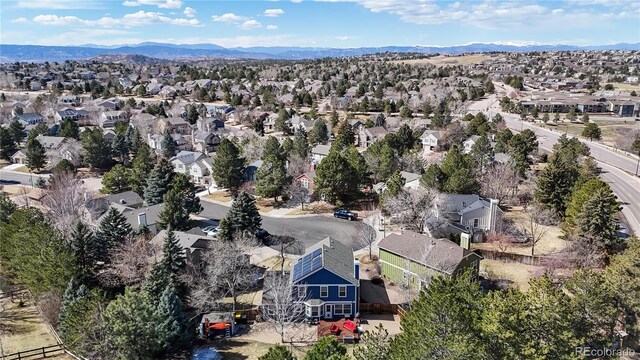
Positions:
(308, 230)
(618, 169)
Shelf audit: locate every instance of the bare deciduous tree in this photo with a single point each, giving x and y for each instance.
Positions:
(283, 308)
(130, 262)
(499, 183)
(226, 271)
(500, 241)
(67, 201)
(297, 166)
(298, 193)
(365, 235)
(412, 207)
(536, 223)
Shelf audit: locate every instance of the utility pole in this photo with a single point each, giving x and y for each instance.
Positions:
(638, 163)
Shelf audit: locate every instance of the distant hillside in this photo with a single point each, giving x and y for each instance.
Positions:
(38, 53)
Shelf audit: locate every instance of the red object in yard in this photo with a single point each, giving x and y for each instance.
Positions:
(350, 325)
(334, 329)
(219, 326)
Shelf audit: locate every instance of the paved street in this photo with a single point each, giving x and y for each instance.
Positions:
(14, 177)
(308, 230)
(617, 167)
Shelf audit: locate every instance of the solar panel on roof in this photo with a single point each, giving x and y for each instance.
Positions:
(317, 252)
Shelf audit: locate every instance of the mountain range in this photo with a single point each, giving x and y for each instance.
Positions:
(41, 53)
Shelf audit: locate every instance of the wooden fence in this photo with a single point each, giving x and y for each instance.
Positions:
(515, 258)
(39, 353)
(375, 308)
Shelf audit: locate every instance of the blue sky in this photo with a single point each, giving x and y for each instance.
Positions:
(326, 23)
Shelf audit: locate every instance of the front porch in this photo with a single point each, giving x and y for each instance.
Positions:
(316, 309)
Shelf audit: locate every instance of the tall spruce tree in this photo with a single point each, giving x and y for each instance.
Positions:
(242, 219)
(36, 155)
(172, 328)
(319, 134)
(74, 292)
(598, 217)
(556, 183)
(187, 191)
(168, 145)
(228, 166)
(300, 144)
(173, 215)
(335, 179)
(345, 136)
(272, 147)
(272, 178)
(159, 182)
(169, 270)
(96, 149)
(69, 129)
(7, 144)
(112, 232)
(142, 166)
(85, 249)
(17, 131)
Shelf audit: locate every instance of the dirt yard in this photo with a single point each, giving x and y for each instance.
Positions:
(549, 244)
(315, 208)
(512, 274)
(221, 196)
(22, 328)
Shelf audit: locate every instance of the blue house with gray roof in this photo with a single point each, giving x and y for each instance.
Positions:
(327, 281)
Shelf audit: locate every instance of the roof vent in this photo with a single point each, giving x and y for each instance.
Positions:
(122, 201)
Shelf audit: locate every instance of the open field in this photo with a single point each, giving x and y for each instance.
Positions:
(447, 60)
(622, 86)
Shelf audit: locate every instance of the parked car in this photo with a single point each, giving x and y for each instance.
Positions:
(345, 214)
(211, 230)
(263, 235)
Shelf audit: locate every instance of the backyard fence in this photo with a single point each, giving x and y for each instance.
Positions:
(375, 308)
(39, 353)
(516, 258)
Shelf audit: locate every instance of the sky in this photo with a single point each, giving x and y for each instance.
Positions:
(319, 23)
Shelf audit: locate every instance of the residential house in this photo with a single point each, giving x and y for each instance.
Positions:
(192, 244)
(465, 213)
(270, 122)
(200, 171)
(251, 171)
(306, 180)
(326, 279)
(71, 114)
(109, 105)
(430, 139)
(138, 217)
(318, 153)
(368, 136)
(28, 119)
(109, 119)
(174, 125)
(205, 141)
(300, 123)
(183, 160)
(69, 100)
(411, 180)
(411, 260)
(155, 141)
(51, 142)
(468, 144)
(19, 157)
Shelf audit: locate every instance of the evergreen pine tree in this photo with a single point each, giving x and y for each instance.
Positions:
(69, 129)
(598, 217)
(7, 144)
(335, 179)
(327, 348)
(17, 131)
(116, 180)
(278, 352)
(112, 232)
(228, 166)
(141, 168)
(243, 218)
(319, 134)
(134, 139)
(187, 191)
(168, 145)
(169, 270)
(74, 292)
(84, 247)
(345, 137)
(120, 148)
(272, 179)
(172, 329)
(36, 155)
(272, 148)
(96, 150)
(173, 215)
(159, 182)
(555, 184)
(482, 154)
(300, 144)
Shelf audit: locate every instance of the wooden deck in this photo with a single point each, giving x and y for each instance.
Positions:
(324, 330)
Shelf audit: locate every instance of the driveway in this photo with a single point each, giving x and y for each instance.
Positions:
(308, 230)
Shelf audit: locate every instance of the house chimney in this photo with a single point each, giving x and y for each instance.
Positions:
(142, 219)
(493, 213)
(356, 269)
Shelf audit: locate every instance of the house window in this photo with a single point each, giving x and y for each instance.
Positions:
(474, 265)
(302, 292)
(342, 309)
(305, 183)
(476, 222)
(324, 291)
(342, 291)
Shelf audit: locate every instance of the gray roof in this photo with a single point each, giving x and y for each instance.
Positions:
(501, 158)
(131, 214)
(409, 177)
(336, 257)
(50, 142)
(436, 134)
(457, 202)
(176, 121)
(321, 149)
(439, 254)
(186, 240)
(127, 198)
(28, 116)
(188, 157)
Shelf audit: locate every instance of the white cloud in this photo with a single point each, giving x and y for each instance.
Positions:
(228, 18)
(273, 12)
(296, 1)
(250, 24)
(343, 38)
(139, 18)
(189, 12)
(272, 27)
(163, 4)
(56, 4)
(19, 20)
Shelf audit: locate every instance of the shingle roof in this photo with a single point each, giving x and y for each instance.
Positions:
(440, 254)
(188, 157)
(409, 177)
(336, 257)
(321, 149)
(127, 198)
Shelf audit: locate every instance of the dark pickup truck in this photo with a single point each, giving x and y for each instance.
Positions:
(345, 214)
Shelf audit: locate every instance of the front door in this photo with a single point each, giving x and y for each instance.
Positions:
(328, 311)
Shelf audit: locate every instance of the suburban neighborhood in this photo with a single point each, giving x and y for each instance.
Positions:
(386, 205)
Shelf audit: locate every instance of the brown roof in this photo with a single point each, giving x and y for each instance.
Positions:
(440, 254)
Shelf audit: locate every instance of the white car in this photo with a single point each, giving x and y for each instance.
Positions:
(211, 230)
